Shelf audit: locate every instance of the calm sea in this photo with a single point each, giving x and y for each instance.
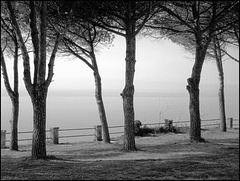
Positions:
(80, 111)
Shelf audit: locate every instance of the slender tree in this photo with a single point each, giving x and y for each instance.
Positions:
(11, 47)
(81, 41)
(217, 51)
(39, 87)
(14, 96)
(218, 57)
(220, 42)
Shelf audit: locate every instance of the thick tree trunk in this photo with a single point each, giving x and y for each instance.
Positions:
(101, 110)
(223, 125)
(39, 125)
(128, 95)
(193, 89)
(195, 121)
(14, 123)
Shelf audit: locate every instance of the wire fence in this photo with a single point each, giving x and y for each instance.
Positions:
(114, 130)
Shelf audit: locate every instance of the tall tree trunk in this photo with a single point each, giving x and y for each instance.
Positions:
(193, 89)
(195, 121)
(128, 94)
(14, 123)
(101, 110)
(15, 102)
(218, 57)
(223, 125)
(14, 96)
(98, 95)
(38, 89)
(39, 124)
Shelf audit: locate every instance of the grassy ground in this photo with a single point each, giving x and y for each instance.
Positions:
(161, 157)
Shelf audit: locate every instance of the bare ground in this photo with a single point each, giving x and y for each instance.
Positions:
(159, 157)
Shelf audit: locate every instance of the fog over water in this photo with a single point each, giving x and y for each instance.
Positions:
(76, 109)
(79, 110)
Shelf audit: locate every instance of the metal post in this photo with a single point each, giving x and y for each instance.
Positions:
(98, 133)
(55, 135)
(3, 138)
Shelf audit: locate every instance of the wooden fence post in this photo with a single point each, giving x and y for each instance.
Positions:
(55, 135)
(3, 138)
(98, 133)
(230, 122)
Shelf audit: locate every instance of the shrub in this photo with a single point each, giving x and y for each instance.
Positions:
(166, 129)
(146, 130)
(143, 131)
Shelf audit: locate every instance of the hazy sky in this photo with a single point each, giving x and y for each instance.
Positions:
(161, 66)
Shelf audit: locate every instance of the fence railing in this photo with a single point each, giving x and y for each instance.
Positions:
(97, 130)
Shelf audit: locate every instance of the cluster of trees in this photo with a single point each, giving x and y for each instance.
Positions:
(78, 28)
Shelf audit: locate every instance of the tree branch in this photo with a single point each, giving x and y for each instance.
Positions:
(85, 52)
(229, 55)
(109, 28)
(177, 16)
(35, 41)
(26, 65)
(15, 67)
(168, 28)
(80, 57)
(43, 44)
(58, 39)
(142, 24)
(5, 76)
